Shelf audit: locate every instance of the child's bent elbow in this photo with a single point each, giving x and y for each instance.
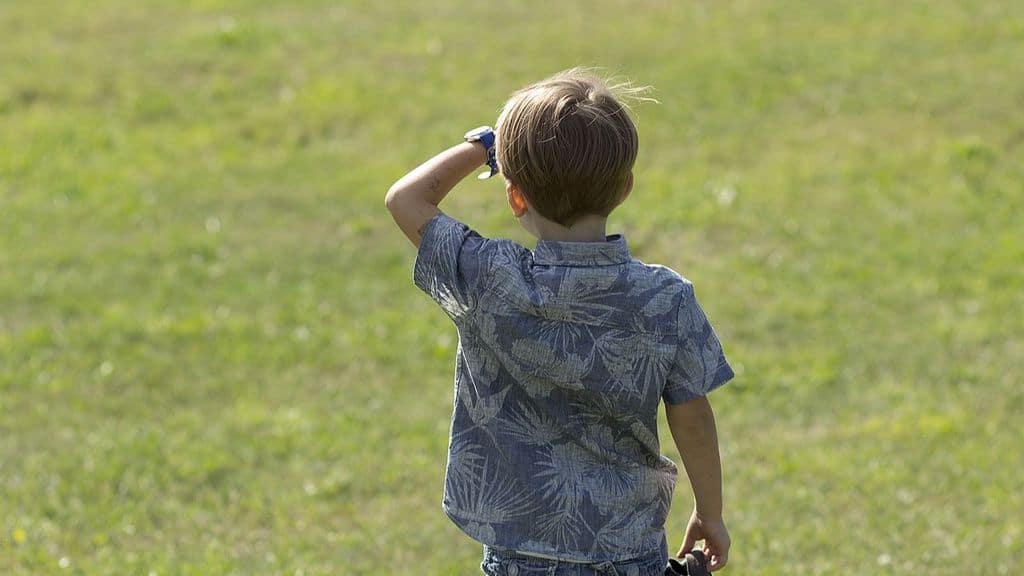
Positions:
(391, 198)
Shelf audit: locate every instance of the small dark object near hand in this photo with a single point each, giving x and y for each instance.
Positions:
(694, 564)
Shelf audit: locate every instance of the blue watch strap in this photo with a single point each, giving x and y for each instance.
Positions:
(486, 136)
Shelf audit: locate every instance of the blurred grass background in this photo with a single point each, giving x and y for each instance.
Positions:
(213, 360)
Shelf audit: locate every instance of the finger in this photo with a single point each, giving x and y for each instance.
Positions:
(688, 542)
(717, 548)
(717, 562)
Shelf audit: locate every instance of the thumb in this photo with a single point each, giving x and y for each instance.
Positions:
(688, 542)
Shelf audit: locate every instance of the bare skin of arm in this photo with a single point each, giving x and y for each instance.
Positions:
(413, 200)
(693, 429)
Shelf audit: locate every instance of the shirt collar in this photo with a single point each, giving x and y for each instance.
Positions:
(608, 253)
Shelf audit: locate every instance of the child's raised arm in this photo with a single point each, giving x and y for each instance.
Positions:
(693, 429)
(414, 198)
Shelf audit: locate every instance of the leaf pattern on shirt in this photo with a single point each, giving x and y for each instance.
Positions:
(633, 371)
(491, 498)
(564, 355)
(486, 364)
(540, 369)
(482, 408)
(626, 529)
(435, 253)
(610, 477)
(531, 426)
(561, 528)
(699, 353)
(582, 298)
(644, 436)
(467, 461)
(660, 303)
(560, 471)
(561, 334)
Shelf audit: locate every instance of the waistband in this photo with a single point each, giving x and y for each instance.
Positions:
(509, 553)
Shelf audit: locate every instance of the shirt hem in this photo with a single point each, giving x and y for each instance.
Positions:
(574, 558)
(723, 374)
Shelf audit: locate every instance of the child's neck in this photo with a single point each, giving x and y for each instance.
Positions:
(589, 228)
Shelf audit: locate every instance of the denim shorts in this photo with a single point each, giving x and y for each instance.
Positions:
(501, 562)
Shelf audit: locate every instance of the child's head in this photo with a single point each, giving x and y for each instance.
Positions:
(568, 146)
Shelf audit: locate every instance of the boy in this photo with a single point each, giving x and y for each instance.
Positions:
(565, 351)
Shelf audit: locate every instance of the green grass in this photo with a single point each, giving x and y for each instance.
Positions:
(213, 360)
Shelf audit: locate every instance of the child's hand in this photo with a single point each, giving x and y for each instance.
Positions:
(715, 536)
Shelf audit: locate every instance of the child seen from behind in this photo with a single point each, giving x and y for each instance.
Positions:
(566, 350)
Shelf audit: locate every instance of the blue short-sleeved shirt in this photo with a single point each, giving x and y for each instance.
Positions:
(564, 355)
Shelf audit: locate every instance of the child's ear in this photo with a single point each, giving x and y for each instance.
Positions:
(516, 200)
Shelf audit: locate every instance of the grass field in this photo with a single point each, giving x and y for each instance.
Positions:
(213, 359)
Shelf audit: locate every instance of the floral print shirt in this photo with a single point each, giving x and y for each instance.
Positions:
(565, 353)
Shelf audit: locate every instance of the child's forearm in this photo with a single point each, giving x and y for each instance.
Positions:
(413, 199)
(693, 429)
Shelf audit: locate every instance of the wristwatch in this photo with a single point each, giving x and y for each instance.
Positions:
(486, 136)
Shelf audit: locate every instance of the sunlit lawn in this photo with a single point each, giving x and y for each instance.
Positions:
(213, 360)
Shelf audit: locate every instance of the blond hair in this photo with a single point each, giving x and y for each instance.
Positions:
(569, 144)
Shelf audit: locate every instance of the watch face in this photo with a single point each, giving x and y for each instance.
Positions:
(476, 133)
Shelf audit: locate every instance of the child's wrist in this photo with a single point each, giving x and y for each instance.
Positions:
(479, 151)
(705, 514)
(487, 139)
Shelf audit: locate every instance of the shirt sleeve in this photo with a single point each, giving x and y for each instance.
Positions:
(450, 264)
(700, 365)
